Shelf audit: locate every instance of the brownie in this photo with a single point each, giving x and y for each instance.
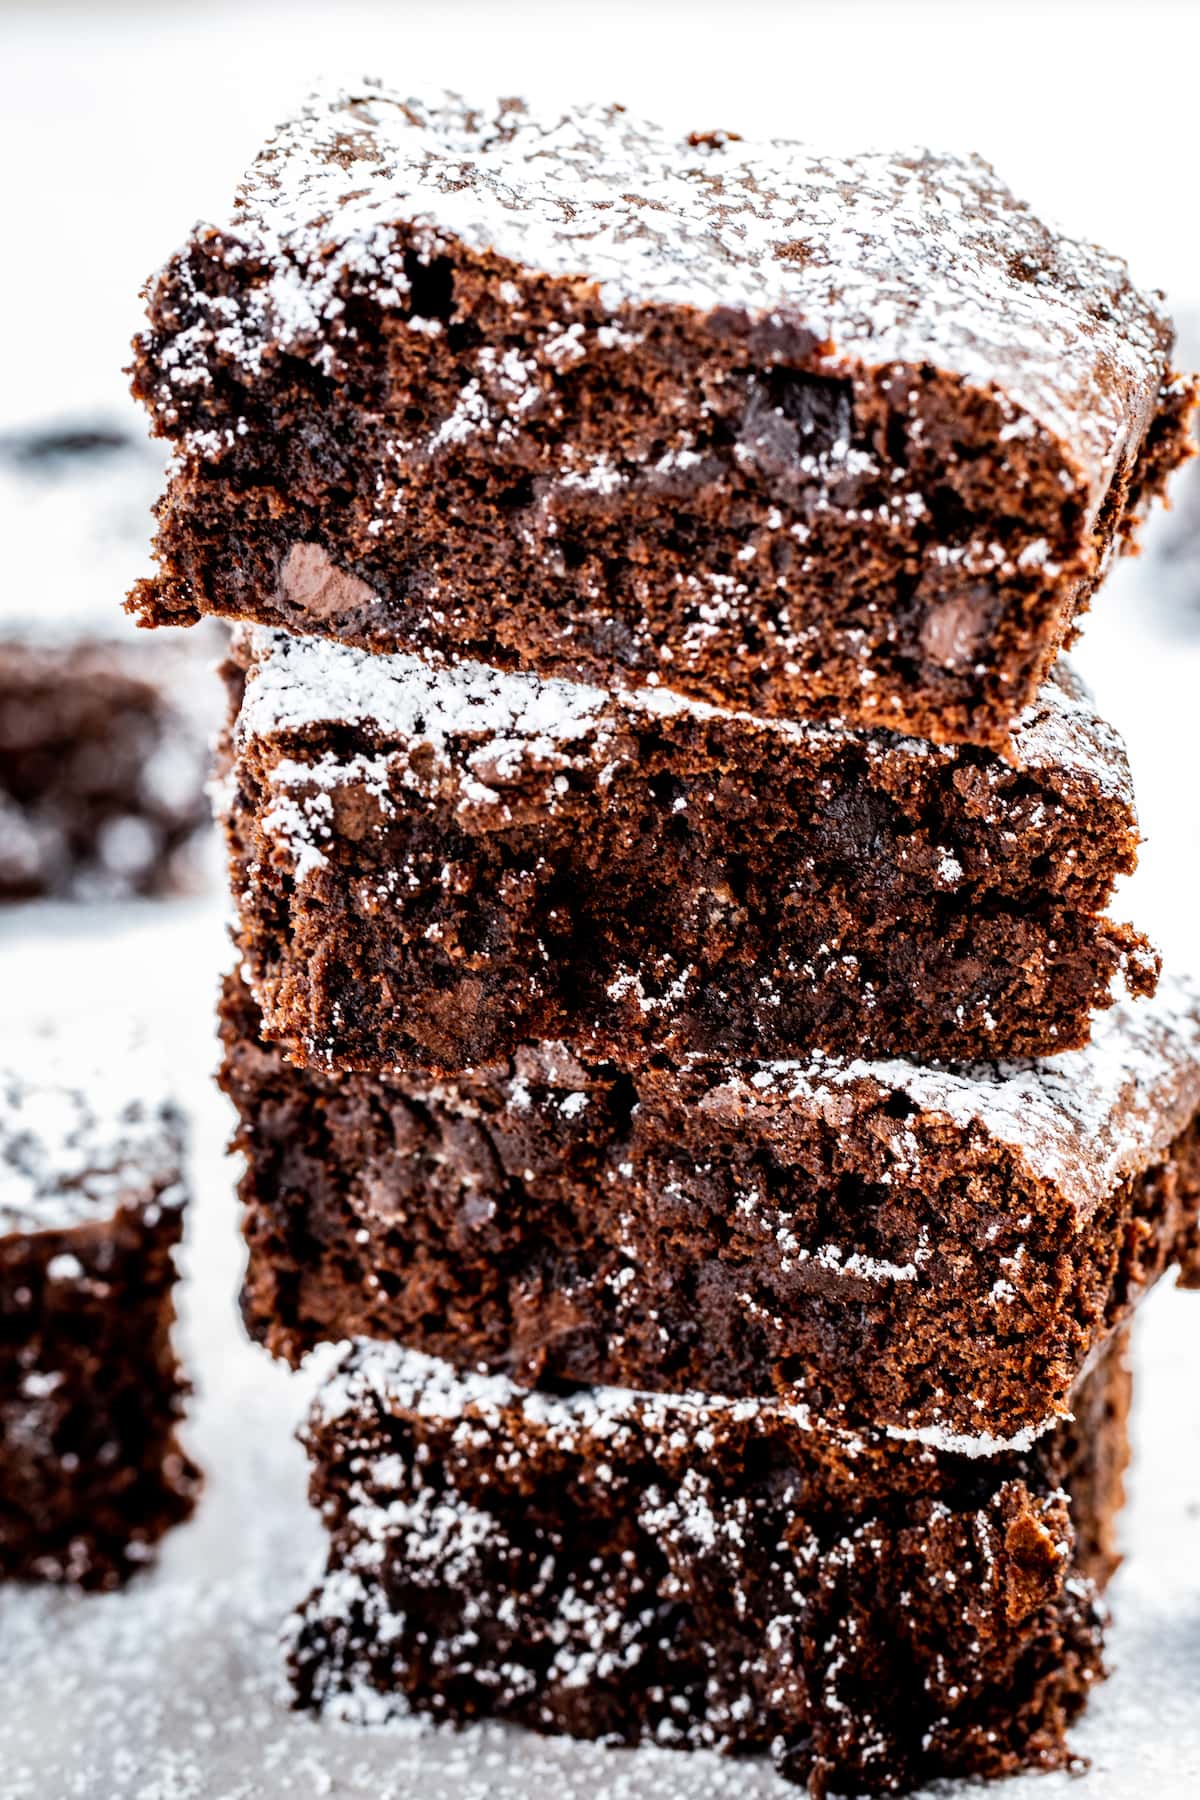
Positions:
(939, 1252)
(433, 866)
(703, 1572)
(91, 1210)
(813, 436)
(103, 729)
(1175, 541)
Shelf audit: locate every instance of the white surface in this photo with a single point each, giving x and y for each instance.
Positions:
(117, 127)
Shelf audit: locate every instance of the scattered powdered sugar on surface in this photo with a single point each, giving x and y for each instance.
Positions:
(83, 1130)
(918, 259)
(485, 717)
(1082, 1120)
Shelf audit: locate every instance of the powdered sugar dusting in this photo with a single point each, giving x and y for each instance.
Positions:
(406, 1381)
(296, 682)
(959, 1443)
(477, 716)
(1082, 1120)
(83, 1135)
(882, 258)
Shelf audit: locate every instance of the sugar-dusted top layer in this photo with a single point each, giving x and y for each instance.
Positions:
(485, 721)
(1082, 1121)
(82, 1135)
(909, 258)
(76, 501)
(372, 1372)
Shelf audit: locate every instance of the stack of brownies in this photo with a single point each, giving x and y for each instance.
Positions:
(676, 1037)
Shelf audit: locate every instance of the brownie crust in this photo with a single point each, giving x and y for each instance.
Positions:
(706, 1574)
(435, 866)
(810, 437)
(939, 1253)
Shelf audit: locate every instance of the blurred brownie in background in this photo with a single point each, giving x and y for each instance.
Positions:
(92, 1196)
(103, 730)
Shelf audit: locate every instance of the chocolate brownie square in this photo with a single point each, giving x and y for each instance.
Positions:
(941, 1252)
(814, 436)
(91, 1211)
(433, 866)
(702, 1572)
(103, 730)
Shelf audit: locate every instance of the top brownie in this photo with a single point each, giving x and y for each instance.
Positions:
(842, 438)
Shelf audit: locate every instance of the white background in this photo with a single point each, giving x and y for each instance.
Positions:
(119, 126)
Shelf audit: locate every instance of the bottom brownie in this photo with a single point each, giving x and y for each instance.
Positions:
(710, 1573)
(91, 1211)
